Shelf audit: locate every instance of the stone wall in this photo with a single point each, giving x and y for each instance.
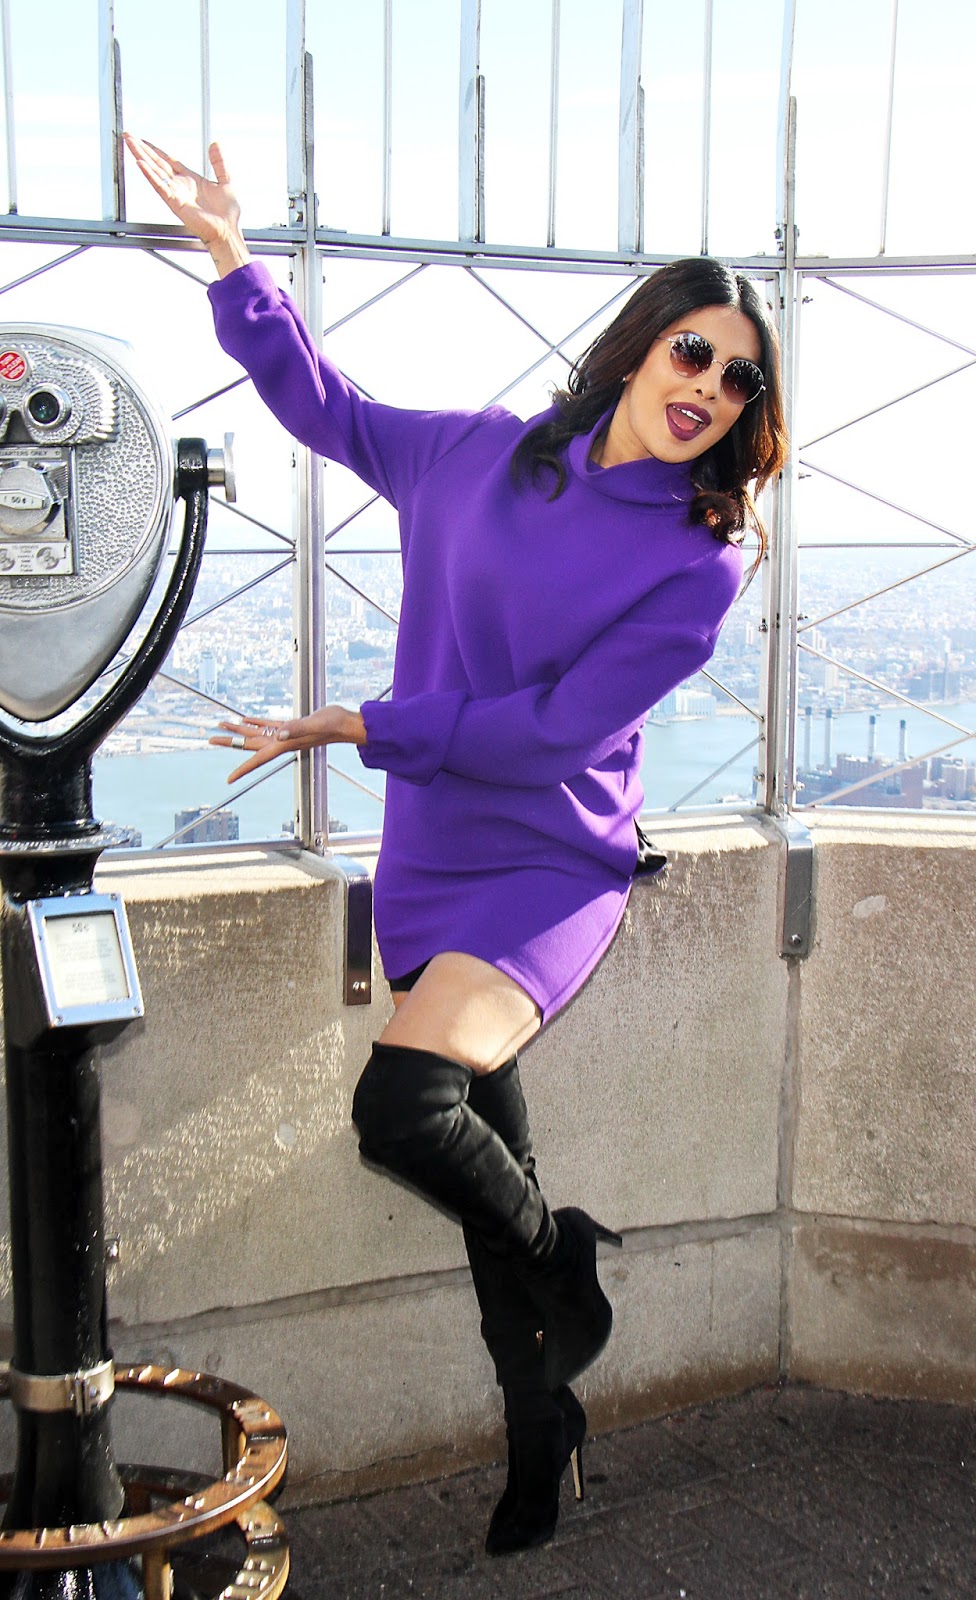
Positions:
(786, 1146)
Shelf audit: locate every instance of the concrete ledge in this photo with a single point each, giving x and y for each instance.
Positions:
(398, 1388)
(787, 1145)
(886, 1118)
(884, 1310)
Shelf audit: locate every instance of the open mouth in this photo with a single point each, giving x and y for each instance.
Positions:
(686, 422)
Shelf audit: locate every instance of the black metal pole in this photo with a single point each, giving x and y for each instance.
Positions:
(49, 843)
(65, 1471)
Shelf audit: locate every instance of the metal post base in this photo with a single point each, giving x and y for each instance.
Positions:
(129, 1557)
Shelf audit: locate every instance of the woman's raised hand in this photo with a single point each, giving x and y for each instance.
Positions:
(207, 207)
(266, 741)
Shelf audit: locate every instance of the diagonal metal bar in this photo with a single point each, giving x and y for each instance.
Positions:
(550, 351)
(230, 799)
(717, 683)
(886, 772)
(374, 299)
(883, 688)
(362, 594)
(116, 665)
(876, 410)
(552, 347)
(235, 594)
(49, 266)
(255, 522)
(205, 399)
(363, 788)
(897, 316)
(351, 517)
(893, 505)
(716, 773)
(175, 266)
(201, 694)
(876, 593)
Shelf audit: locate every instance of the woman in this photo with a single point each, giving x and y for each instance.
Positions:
(560, 577)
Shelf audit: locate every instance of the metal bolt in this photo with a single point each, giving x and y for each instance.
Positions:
(796, 939)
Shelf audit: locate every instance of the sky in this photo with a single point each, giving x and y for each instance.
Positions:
(443, 338)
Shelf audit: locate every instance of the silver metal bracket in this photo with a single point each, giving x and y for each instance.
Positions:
(797, 886)
(81, 1393)
(358, 931)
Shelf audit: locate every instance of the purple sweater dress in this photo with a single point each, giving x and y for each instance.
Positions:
(535, 635)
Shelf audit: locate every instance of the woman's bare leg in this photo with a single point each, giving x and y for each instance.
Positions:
(466, 1010)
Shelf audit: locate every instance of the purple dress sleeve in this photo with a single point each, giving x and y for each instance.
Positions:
(389, 448)
(547, 733)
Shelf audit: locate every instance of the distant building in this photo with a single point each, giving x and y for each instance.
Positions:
(695, 703)
(207, 673)
(220, 827)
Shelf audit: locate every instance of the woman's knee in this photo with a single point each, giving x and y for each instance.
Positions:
(406, 1097)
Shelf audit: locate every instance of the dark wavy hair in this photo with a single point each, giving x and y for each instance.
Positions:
(751, 453)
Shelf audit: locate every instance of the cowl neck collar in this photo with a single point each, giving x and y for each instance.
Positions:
(649, 481)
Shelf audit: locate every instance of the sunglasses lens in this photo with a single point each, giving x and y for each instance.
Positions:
(742, 381)
(691, 354)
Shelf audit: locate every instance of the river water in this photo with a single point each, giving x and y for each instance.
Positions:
(146, 791)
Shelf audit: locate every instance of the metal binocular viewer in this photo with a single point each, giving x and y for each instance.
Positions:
(88, 482)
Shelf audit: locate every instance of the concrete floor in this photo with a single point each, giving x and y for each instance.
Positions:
(789, 1494)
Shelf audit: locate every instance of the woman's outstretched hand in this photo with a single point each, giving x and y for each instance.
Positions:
(268, 740)
(207, 207)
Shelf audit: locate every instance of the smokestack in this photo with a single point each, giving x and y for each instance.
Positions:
(903, 740)
(808, 739)
(872, 737)
(828, 730)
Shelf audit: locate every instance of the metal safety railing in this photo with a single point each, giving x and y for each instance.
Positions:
(311, 549)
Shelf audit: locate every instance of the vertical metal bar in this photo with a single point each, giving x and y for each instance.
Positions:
(205, 86)
(783, 116)
(309, 572)
(295, 111)
(310, 626)
(110, 115)
(630, 160)
(706, 178)
(8, 101)
(553, 124)
(781, 618)
(387, 111)
(886, 164)
(471, 176)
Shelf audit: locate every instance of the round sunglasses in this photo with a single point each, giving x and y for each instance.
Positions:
(692, 355)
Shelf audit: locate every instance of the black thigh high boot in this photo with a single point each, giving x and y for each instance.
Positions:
(414, 1118)
(545, 1431)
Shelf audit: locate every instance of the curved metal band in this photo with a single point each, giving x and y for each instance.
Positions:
(78, 1392)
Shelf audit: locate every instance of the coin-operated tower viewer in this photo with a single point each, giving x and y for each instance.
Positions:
(88, 480)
